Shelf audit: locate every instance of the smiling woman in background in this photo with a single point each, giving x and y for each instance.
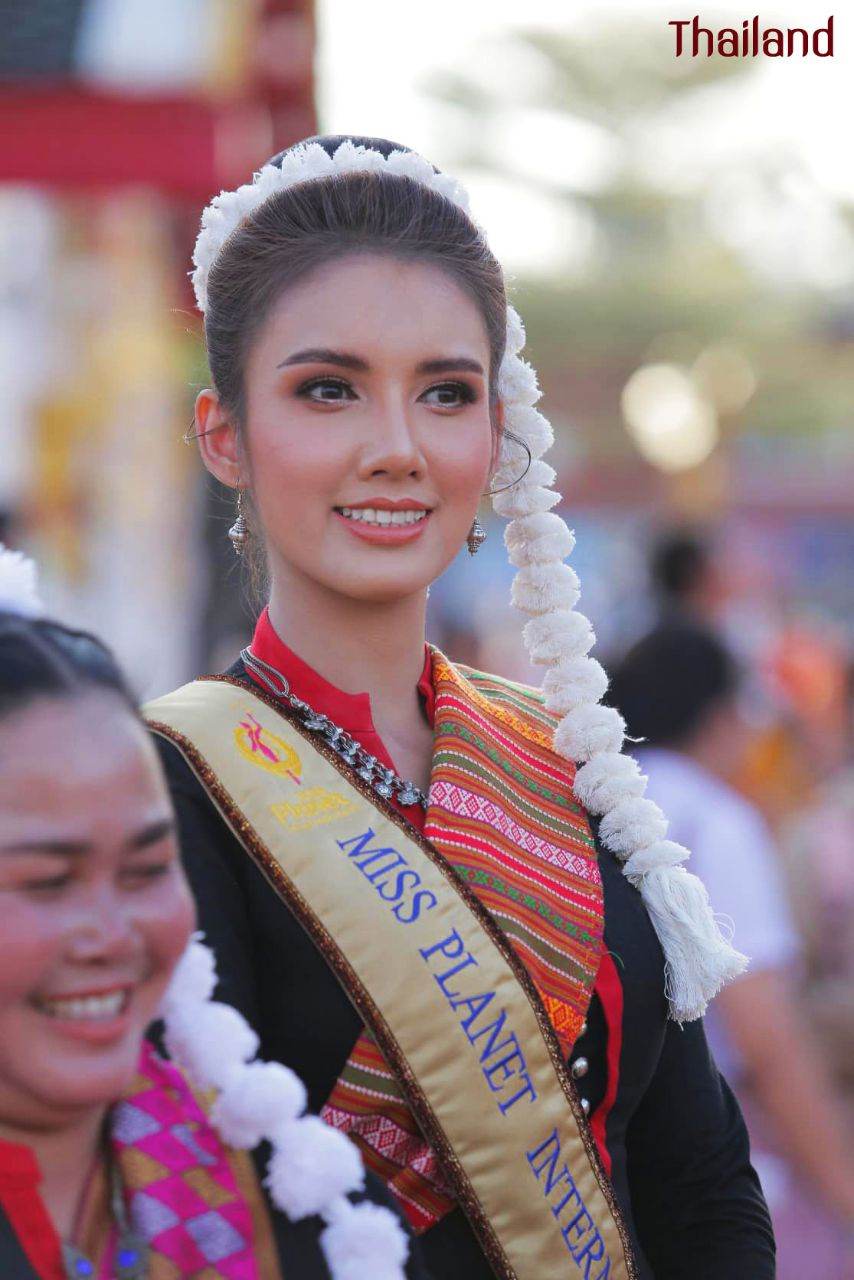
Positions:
(109, 1165)
(397, 859)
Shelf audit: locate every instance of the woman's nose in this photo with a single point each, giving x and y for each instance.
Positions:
(392, 446)
(104, 929)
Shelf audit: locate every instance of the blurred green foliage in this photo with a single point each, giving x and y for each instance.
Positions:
(663, 283)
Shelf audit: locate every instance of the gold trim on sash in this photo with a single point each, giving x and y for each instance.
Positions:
(429, 971)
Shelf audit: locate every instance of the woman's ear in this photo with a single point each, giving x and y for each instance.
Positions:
(217, 438)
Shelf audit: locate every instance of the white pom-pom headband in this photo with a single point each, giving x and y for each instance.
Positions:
(698, 959)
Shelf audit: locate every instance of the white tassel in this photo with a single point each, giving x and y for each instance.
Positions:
(698, 960)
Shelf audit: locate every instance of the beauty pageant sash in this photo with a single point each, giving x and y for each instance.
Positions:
(448, 1000)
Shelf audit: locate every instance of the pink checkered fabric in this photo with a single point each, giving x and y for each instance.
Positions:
(181, 1191)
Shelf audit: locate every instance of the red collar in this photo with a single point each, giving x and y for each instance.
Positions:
(18, 1164)
(25, 1212)
(352, 711)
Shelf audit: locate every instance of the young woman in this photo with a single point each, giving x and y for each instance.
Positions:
(110, 1166)
(395, 858)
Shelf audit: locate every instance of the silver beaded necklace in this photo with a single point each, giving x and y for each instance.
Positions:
(383, 780)
(132, 1252)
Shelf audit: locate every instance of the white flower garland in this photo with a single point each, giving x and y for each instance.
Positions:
(313, 1167)
(698, 959)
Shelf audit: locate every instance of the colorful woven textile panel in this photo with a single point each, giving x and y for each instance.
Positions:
(502, 812)
(179, 1180)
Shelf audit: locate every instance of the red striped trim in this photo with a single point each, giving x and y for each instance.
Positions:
(583, 901)
(477, 845)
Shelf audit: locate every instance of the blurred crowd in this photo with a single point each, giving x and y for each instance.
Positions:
(744, 725)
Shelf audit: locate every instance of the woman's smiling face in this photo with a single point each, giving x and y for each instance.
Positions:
(94, 905)
(368, 437)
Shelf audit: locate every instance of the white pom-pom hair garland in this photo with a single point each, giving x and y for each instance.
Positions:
(313, 1167)
(698, 959)
(19, 584)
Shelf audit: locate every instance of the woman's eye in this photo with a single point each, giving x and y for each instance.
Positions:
(147, 872)
(51, 884)
(327, 390)
(449, 395)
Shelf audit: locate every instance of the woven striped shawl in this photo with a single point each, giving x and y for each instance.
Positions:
(502, 812)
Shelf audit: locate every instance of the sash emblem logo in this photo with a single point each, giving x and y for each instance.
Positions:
(266, 749)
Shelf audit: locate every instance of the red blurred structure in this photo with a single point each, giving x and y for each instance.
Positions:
(71, 133)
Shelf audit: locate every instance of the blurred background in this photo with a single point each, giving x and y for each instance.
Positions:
(679, 238)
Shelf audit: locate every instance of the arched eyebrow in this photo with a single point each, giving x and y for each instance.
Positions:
(148, 835)
(454, 364)
(152, 834)
(346, 360)
(325, 355)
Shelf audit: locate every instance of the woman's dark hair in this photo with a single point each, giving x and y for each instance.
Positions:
(40, 658)
(306, 226)
(667, 683)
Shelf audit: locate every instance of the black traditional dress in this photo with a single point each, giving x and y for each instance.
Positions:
(668, 1130)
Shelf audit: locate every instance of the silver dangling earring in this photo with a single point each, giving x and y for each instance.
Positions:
(239, 532)
(476, 537)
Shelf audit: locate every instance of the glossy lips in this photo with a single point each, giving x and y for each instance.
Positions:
(97, 1017)
(108, 1005)
(379, 516)
(385, 521)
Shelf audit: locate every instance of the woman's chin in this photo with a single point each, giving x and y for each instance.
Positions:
(385, 580)
(71, 1072)
(386, 591)
(99, 1083)
(379, 584)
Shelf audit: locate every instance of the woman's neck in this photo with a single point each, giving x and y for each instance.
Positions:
(66, 1156)
(358, 646)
